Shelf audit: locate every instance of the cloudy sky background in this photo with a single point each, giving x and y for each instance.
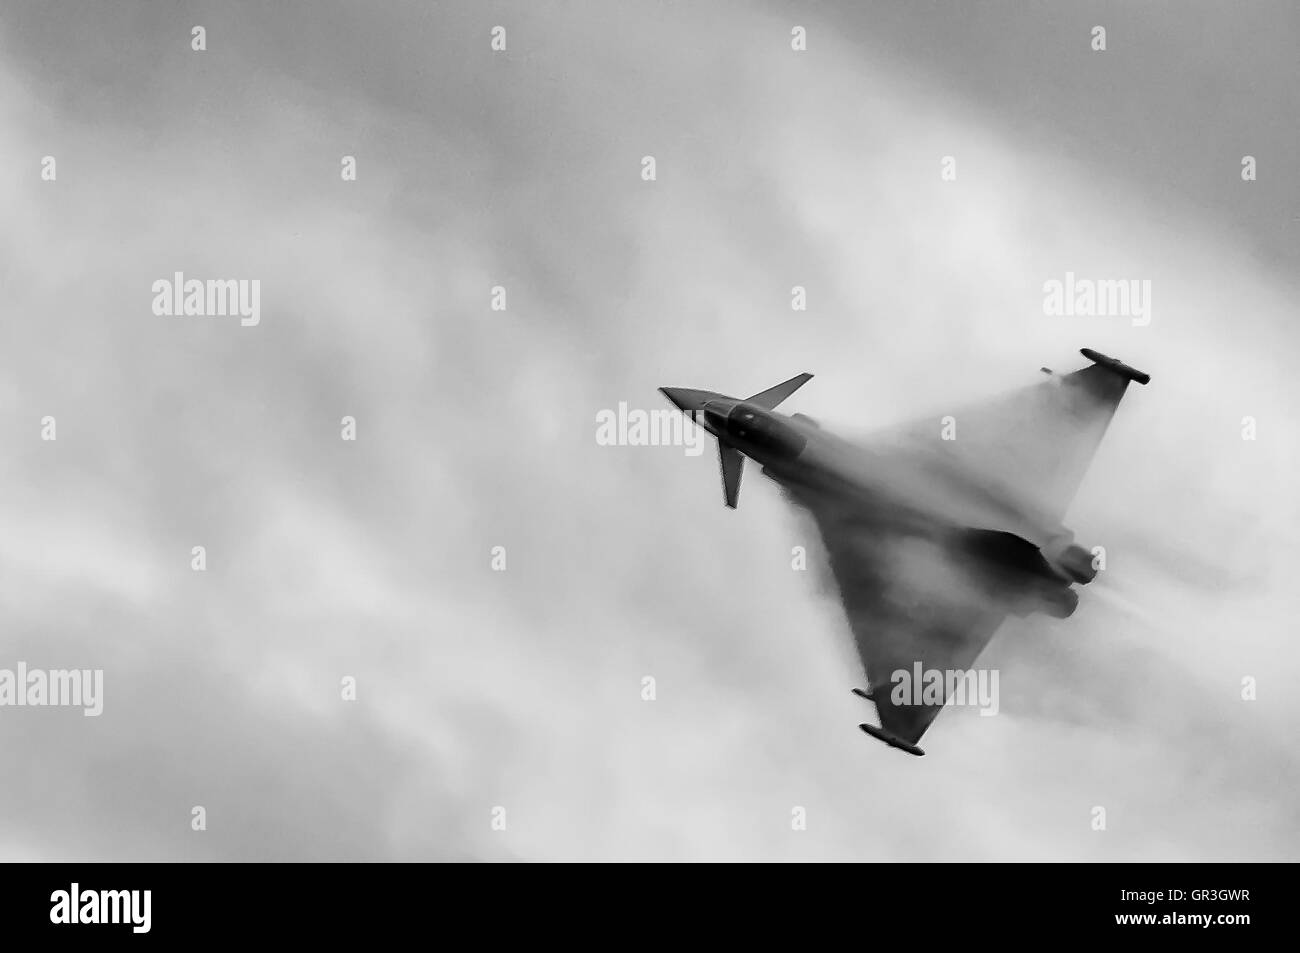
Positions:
(476, 428)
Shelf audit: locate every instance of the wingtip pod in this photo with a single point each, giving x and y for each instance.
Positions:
(1116, 365)
(881, 735)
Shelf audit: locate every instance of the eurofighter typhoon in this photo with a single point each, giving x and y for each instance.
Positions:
(933, 542)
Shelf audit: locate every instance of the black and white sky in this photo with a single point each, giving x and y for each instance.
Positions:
(522, 689)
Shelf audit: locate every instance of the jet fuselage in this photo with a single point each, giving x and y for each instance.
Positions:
(921, 487)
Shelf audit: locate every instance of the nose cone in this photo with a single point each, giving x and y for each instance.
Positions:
(686, 399)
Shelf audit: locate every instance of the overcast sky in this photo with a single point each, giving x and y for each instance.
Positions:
(521, 689)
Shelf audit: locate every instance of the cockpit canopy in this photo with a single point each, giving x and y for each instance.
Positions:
(756, 426)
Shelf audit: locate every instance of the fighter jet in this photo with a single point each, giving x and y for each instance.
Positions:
(935, 531)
